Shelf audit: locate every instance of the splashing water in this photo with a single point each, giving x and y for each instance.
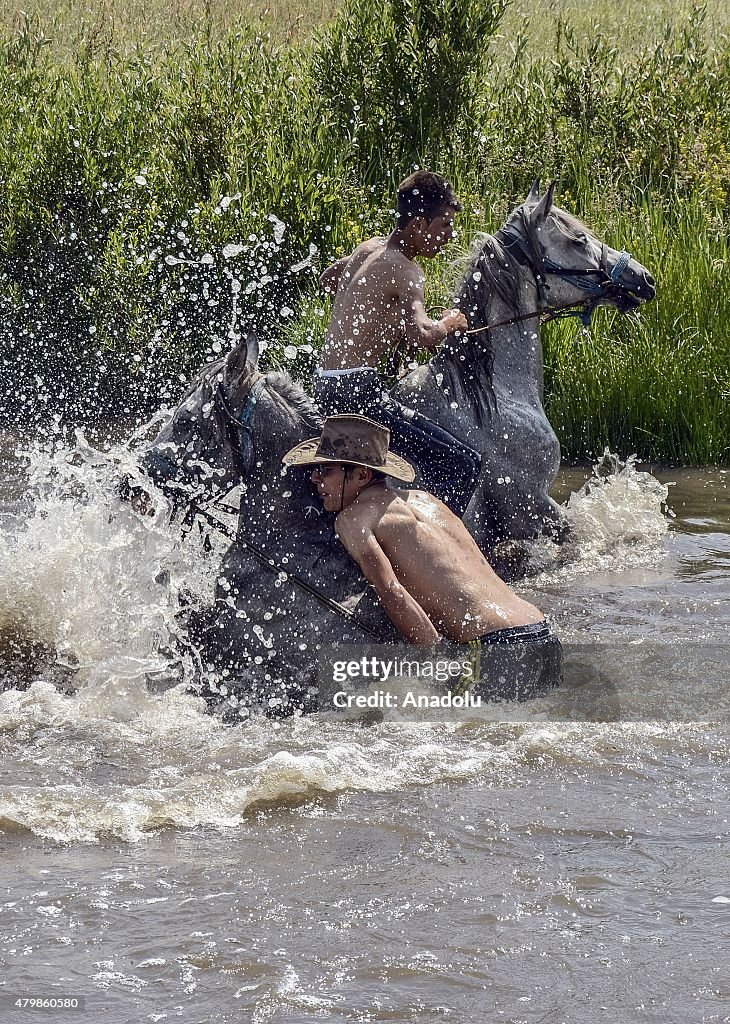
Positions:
(92, 589)
(89, 578)
(100, 585)
(617, 518)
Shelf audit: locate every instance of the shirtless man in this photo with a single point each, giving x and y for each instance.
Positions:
(430, 576)
(378, 307)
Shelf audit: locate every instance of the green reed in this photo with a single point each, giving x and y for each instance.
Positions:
(129, 174)
(657, 381)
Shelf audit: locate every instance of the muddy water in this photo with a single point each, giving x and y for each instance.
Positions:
(510, 866)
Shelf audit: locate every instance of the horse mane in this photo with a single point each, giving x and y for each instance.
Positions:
(467, 362)
(294, 400)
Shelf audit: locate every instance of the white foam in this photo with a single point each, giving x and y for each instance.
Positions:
(613, 521)
(90, 578)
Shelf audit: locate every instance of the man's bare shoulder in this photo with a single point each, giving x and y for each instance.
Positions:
(412, 507)
(366, 260)
(374, 243)
(403, 269)
(355, 526)
(426, 502)
(367, 511)
(370, 247)
(387, 269)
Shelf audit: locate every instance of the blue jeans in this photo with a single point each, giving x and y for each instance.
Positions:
(449, 468)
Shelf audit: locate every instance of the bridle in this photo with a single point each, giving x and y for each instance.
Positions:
(240, 428)
(598, 283)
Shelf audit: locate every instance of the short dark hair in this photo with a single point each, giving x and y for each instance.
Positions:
(424, 194)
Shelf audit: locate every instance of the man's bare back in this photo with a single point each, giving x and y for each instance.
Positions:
(435, 560)
(375, 291)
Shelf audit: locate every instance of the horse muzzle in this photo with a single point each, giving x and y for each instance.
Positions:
(632, 286)
(646, 289)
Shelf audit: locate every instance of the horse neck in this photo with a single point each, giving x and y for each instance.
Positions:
(514, 349)
(272, 503)
(517, 366)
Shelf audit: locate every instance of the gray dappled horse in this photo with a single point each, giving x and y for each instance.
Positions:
(486, 388)
(259, 640)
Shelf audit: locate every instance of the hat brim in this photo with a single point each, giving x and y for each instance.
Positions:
(305, 454)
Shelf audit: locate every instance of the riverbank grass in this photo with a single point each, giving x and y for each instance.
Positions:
(158, 200)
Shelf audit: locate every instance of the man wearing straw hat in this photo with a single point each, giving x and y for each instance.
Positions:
(379, 306)
(430, 576)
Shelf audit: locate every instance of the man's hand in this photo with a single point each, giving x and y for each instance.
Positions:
(454, 320)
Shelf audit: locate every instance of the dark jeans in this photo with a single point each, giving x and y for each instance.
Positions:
(519, 663)
(449, 467)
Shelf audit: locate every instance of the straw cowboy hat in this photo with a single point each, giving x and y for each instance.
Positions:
(353, 439)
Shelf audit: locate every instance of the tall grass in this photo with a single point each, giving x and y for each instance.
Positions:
(154, 204)
(657, 381)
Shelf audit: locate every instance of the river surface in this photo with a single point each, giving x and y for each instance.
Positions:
(514, 866)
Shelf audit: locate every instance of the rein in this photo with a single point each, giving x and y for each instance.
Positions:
(285, 575)
(546, 316)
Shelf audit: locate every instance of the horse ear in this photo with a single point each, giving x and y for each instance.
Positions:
(236, 359)
(243, 358)
(545, 205)
(252, 349)
(534, 194)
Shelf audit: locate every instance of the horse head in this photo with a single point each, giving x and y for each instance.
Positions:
(204, 449)
(232, 427)
(569, 264)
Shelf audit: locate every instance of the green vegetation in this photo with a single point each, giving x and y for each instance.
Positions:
(121, 26)
(176, 172)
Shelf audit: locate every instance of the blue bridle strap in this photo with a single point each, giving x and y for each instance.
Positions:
(620, 265)
(241, 426)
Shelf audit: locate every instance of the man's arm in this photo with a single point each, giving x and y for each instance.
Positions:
(330, 279)
(403, 610)
(419, 328)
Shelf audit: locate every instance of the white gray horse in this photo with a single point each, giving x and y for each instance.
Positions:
(487, 387)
